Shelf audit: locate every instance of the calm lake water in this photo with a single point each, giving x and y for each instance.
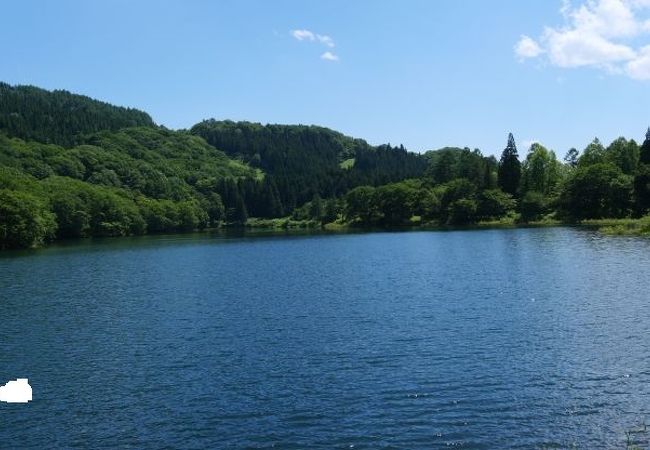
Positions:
(535, 338)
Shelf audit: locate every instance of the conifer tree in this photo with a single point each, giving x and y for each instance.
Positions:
(642, 178)
(644, 155)
(509, 168)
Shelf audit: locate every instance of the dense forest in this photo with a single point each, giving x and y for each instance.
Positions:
(305, 161)
(71, 166)
(463, 187)
(59, 117)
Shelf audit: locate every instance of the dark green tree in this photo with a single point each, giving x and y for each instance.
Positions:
(494, 204)
(623, 154)
(533, 206)
(463, 212)
(510, 168)
(642, 179)
(597, 191)
(316, 208)
(395, 202)
(330, 211)
(644, 152)
(361, 205)
(429, 205)
(213, 205)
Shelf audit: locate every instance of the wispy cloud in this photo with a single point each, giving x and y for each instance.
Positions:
(527, 48)
(329, 56)
(303, 35)
(323, 39)
(603, 34)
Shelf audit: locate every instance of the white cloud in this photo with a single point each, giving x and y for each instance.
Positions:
(323, 39)
(306, 35)
(606, 18)
(576, 48)
(599, 33)
(329, 56)
(303, 35)
(639, 67)
(527, 47)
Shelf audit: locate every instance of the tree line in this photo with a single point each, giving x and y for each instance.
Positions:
(463, 187)
(71, 166)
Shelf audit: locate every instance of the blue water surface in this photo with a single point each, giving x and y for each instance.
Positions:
(529, 338)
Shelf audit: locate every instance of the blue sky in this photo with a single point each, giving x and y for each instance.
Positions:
(423, 73)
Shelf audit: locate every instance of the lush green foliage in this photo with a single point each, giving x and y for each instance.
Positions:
(450, 163)
(87, 168)
(71, 167)
(541, 171)
(510, 168)
(25, 220)
(533, 206)
(60, 117)
(132, 181)
(459, 186)
(457, 202)
(303, 161)
(596, 191)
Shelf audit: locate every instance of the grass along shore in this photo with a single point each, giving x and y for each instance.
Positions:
(612, 227)
(620, 227)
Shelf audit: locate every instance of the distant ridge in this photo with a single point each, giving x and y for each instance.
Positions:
(61, 117)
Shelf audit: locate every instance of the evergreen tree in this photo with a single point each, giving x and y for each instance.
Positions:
(60, 117)
(316, 208)
(642, 178)
(644, 154)
(330, 211)
(510, 168)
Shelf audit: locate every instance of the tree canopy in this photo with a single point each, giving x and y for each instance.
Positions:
(71, 166)
(60, 117)
(510, 168)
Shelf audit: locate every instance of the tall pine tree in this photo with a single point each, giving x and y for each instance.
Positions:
(642, 178)
(644, 155)
(509, 168)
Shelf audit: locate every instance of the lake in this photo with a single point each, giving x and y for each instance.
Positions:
(526, 338)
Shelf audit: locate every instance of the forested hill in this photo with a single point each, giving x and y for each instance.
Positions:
(60, 117)
(71, 166)
(309, 160)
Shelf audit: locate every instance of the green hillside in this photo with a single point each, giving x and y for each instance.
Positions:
(60, 117)
(305, 161)
(71, 166)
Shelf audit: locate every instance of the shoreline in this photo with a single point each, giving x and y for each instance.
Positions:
(609, 227)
